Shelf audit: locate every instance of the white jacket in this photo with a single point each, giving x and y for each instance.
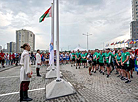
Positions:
(38, 60)
(26, 67)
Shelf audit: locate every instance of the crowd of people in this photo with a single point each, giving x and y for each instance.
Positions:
(123, 61)
(9, 59)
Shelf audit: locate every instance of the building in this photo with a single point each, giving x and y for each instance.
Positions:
(134, 23)
(24, 36)
(135, 10)
(11, 47)
(0, 48)
(8, 47)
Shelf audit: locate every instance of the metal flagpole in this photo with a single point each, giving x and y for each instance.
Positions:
(53, 33)
(58, 87)
(57, 40)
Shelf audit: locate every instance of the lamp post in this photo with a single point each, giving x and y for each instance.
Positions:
(87, 38)
(68, 47)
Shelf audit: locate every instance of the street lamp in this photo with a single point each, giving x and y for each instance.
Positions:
(87, 38)
(68, 47)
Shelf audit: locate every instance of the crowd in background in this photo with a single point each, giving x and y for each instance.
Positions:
(122, 60)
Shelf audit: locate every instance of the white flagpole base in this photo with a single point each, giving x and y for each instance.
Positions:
(57, 89)
(50, 67)
(52, 74)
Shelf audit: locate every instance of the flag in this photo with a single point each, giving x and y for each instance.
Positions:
(112, 43)
(127, 41)
(48, 13)
(132, 42)
(107, 45)
(51, 50)
(122, 42)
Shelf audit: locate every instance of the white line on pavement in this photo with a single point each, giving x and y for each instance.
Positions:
(18, 92)
(9, 77)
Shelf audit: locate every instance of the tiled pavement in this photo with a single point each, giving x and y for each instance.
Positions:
(95, 88)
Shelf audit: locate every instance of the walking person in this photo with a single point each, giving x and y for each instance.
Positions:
(38, 63)
(125, 62)
(25, 73)
(2, 59)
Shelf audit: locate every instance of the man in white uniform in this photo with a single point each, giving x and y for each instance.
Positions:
(38, 63)
(25, 73)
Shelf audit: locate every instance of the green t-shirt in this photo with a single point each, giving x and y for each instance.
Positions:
(94, 56)
(78, 54)
(124, 57)
(73, 55)
(83, 55)
(118, 58)
(101, 58)
(109, 57)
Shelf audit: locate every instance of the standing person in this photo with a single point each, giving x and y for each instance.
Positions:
(13, 58)
(90, 57)
(118, 64)
(78, 58)
(125, 62)
(73, 58)
(94, 61)
(108, 61)
(38, 63)
(83, 58)
(2, 59)
(7, 59)
(132, 62)
(101, 62)
(25, 73)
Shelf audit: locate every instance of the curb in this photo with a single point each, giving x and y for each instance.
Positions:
(7, 68)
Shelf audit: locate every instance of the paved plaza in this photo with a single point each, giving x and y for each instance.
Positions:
(95, 88)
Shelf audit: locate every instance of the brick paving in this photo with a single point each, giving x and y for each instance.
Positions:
(95, 88)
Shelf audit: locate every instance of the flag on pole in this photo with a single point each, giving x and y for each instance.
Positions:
(48, 13)
(112, 43)
(127, 41)
(51, 50)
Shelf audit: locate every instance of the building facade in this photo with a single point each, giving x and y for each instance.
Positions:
(24, 36)
(11, 47)
(134, 24)
(135, 10)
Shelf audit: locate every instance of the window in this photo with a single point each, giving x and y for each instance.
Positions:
(136, 12)
(136, 2)
(31, 35)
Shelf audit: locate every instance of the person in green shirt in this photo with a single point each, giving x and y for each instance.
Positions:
(94, 61)
(108, 61)
(86, 58)
(125, 62)
(78, 58)
(97, 59)
(118, 63)
(73, 58)
(101, 62)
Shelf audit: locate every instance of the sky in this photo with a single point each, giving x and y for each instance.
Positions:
(107, 20)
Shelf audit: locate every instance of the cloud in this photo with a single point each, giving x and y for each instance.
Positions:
(106, 20)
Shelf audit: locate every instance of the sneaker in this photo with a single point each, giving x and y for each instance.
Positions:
(71, 65)
(131, 76)
(119, 76)
(103, 73)
(128, 81)
(79, 67)
(76, 67)
(3, 66)
(107, 76)
(116, 73)
(94, 71)
(123, 78)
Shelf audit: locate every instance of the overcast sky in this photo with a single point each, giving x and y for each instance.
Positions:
(107, 20)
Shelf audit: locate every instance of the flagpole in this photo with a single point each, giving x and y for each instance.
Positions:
(53, 33)
(57, 38)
